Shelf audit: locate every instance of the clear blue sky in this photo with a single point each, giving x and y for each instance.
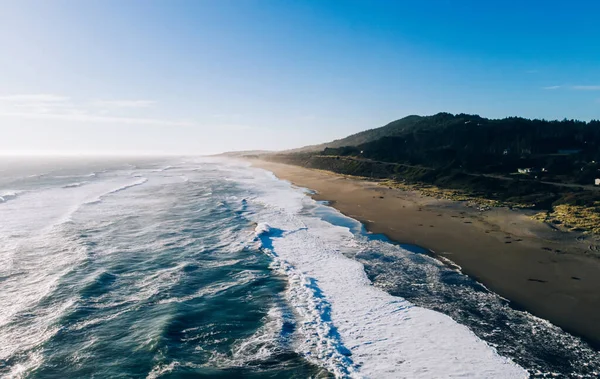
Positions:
(206, 76)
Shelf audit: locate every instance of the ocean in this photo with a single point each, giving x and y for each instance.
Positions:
(204, 267)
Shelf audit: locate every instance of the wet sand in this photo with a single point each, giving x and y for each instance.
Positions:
(552, 274)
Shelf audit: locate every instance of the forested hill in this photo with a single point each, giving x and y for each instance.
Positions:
(546, 165)
(392, 129)
(565, 149)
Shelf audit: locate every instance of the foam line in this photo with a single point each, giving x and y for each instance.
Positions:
(356, 329)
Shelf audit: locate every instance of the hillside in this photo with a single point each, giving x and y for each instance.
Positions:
(565, 151)
(546, 165)
(392, 129)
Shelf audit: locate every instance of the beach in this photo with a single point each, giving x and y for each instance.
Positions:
(552, 274)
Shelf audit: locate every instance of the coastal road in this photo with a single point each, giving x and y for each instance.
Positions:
(494, 176)
(567, 185)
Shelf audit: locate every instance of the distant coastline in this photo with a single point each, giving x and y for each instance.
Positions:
(547, 272)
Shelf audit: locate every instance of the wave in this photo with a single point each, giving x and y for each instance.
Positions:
(9, 195)
(322, 344)
(94, 174)
(329, 313)
(243, 278)
(37, 176)
(29, 318)
(383, 335)
(75, 185)
(161, 369)
(166, 168)
(270, 341)
(116, 190)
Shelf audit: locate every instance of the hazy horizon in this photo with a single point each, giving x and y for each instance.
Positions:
(197, 78)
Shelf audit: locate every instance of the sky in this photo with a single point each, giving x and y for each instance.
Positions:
(206, 76)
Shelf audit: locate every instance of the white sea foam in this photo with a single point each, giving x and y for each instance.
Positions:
(7, 195)
(319, 342)
(221, 263)
(95, 321)
(343, 323)
(76, 184)
(162, 169)
(123, 187)
(240, 279)
(161, 369)
(270, 340)
(352, 328)
(37, 249)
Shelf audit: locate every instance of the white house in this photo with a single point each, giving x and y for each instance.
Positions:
(597, 182)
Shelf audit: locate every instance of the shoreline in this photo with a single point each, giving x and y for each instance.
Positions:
(549, 273)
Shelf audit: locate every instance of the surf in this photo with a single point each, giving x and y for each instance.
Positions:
(233, 271)
(361, 331)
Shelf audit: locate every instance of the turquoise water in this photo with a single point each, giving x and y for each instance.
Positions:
(146, 268)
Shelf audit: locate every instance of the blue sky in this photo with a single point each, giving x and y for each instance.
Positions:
(205, 76)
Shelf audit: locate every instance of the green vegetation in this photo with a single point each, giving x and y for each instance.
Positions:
(573, 217)
(470, 158)
(565, 151)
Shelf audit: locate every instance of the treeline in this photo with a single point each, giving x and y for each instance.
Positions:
(564, 150)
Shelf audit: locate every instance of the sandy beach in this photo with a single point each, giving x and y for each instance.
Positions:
(552, 274)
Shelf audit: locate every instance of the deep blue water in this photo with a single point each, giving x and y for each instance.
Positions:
(159, 279)
(130, 268)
